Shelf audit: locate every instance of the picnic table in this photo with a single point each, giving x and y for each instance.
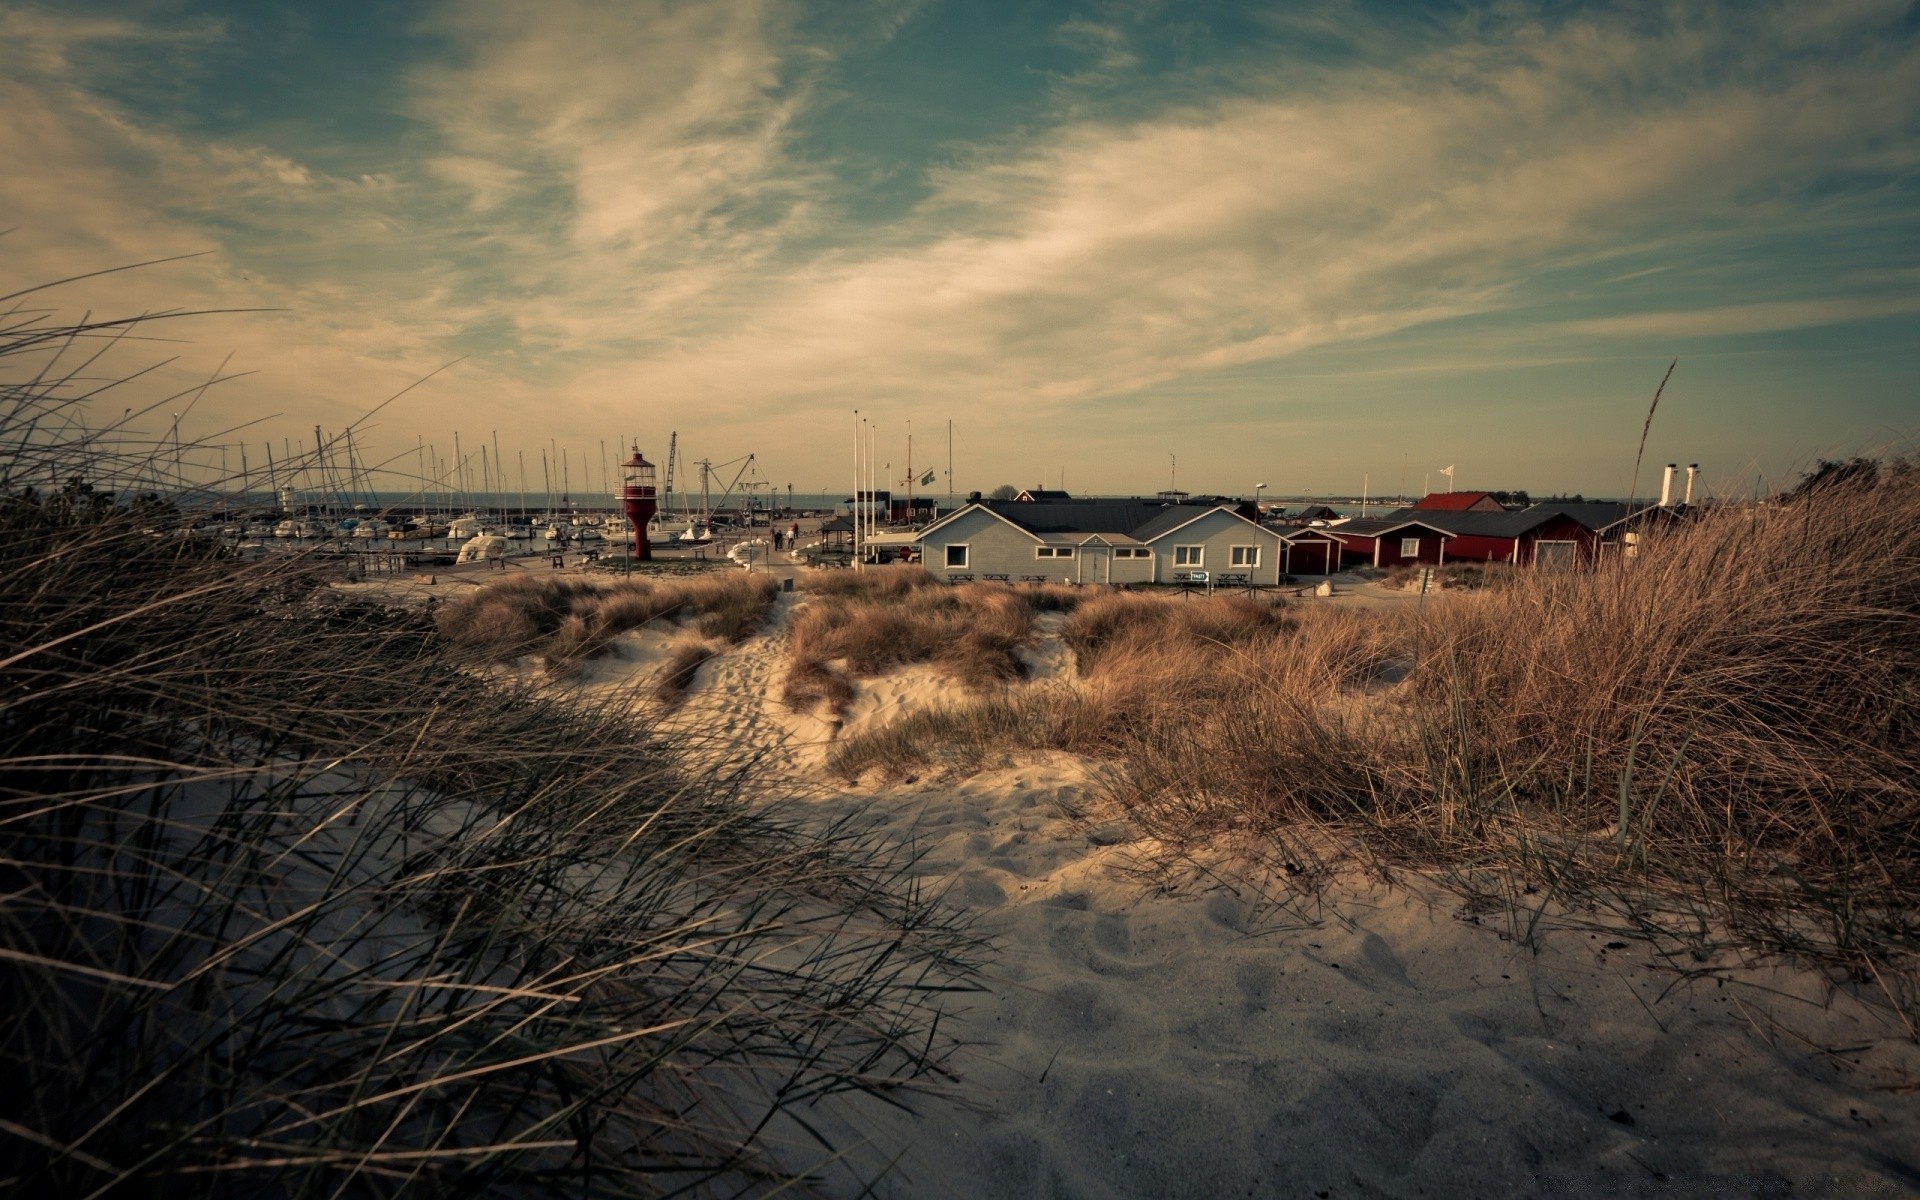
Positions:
(994, 578)
(962, 578)
(1033, 579)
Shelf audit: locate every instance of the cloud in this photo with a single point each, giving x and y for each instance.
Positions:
(1102, 258)
(1771, 317)
(613, 205)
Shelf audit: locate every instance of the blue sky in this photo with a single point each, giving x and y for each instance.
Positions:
(1300, 244)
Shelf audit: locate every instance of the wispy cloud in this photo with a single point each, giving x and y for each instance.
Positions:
(599, 203)
(1103, 258)
(1737, 319)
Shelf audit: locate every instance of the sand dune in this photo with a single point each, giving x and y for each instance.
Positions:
(1204, 1031)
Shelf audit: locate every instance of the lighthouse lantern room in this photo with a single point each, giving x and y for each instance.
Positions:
(640, 500)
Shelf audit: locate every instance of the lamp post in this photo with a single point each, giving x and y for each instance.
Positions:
(1257, 489)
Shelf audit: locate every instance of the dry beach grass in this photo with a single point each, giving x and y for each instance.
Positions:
(296, 904)
(566, 620)
(862, 624)
(1715, 739)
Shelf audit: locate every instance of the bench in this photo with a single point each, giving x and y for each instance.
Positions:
(1233, 580)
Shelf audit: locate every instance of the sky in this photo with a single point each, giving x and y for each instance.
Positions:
(1117, 243)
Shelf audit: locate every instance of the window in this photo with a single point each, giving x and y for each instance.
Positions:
(957, 556)
(1409, 547)
(1245, 556)
(1189, 556)
(1553, 556)
(1053, 551)
(1132, 552)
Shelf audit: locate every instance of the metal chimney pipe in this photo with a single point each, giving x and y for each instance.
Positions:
(1693, 476)
(1666, 485)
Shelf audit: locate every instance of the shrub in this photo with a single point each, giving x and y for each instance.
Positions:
(970, 633)
(566, 620)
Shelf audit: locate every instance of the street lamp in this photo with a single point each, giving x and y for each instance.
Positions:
(1257, 489)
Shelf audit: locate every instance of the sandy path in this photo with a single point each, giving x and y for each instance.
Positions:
(1138, 1043)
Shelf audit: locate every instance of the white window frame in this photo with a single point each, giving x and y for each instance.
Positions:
(965, 554)
(1244, 556)
(1132, 552)
(1410, 547)
(1573, 550)
(1192, 557)
(1053, 551)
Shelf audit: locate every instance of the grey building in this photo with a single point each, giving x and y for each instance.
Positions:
(1100, 541)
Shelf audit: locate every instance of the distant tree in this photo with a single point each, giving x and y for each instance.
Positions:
(1005, 491)
(1518, 499)
(1829, 475)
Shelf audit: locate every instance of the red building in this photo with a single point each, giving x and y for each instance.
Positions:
(1392, 541)
(1460, 502)
(1311, 552)
(1544, 535)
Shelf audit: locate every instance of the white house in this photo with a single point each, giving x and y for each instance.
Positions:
(1101, 541)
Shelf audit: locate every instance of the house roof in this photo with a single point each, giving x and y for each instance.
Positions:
(1120, 520)
(1456, 502)
(1030, 495)
(1376, 526)
(1594, 514)
(1482, 524)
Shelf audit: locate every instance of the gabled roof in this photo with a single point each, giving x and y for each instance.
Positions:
(1484, 524)
(991, 507)
(1458, 502)
(1597, 515)
(1031, 495)
(1379, 526)
(1126, 520)
(1301, 535)
(1180, 516)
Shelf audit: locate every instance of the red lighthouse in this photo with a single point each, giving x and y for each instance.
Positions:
(637, 496)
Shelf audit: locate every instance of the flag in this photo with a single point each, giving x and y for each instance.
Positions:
(1447, 471)
(927, 478)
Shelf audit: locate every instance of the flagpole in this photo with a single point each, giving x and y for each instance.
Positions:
(856, 489)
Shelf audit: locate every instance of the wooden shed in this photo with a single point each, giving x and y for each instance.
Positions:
(1311, 552)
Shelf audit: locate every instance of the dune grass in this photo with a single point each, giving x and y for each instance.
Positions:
(1719, 732)
(295, 904)
(670, 686)
(564, 621)
(863, 623)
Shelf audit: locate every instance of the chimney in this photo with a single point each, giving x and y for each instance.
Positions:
(1666, 485)
(1693, 476)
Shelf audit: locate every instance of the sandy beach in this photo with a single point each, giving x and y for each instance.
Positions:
(1206, 1025)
